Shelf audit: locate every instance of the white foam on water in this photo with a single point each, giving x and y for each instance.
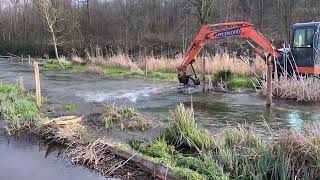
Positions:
(132, 95)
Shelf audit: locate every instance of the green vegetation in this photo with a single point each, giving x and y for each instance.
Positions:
(71, 107)
(158, 75)
(186, 167)
(126, 117)
(242, 82)
(71, 67)
(236, 154)
(116, 71)
(18, 111)
(184, 131)
(113, 71)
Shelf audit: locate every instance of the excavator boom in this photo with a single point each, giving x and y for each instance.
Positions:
(243, 30)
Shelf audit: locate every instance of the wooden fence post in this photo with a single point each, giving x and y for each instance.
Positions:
(204, 75)
(269, 85)
(146, 66)
(37, 84)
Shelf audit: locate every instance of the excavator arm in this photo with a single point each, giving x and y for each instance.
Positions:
(243, 30)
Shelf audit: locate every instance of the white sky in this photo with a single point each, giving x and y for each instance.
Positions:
(5, 2)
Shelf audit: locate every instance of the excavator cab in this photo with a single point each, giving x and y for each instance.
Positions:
(305, 46)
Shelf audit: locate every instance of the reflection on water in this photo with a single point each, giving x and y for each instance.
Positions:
(295, 120)
(25, 158)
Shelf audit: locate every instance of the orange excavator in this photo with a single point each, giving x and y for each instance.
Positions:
(304, 47)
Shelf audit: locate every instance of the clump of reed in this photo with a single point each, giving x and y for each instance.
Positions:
(298, 87)
(18, 110)
(126, 117)
(239, 153)
(96, 58)
(301, 150)
(214, 64)
(288, 84)
(95, 69)
(184, 131)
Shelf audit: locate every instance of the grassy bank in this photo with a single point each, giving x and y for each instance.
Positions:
(236, 154)
(237, 82)
(18, 110)
(184, 147)
(162, 68)
(114, 71)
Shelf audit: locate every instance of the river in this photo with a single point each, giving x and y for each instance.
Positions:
(214, 111)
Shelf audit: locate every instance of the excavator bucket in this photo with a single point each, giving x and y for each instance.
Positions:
(184, 79)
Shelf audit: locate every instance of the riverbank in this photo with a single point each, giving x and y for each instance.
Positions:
(182, 147)
(231, 82)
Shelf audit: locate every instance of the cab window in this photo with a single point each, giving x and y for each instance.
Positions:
(303, 38)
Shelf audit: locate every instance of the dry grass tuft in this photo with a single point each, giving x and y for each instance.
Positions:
(214, 64)
(299, 88)
(95, 156)
(302, 150)
(126, 117)
(95, 69)
(77, 60)
(67, 130)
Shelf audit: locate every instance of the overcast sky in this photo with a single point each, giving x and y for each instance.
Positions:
(5, 2)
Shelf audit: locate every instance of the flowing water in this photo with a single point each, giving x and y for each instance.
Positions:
(214, 111)
(26, 158)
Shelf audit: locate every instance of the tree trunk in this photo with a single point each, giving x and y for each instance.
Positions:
(55, 45)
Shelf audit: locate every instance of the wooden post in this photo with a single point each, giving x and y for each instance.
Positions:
(37, 84)
(146, 67)
(269, 85)
(204, 75)
(29, 59)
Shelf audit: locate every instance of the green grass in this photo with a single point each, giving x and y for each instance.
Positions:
(71, 67)
(238, 153)
(71, 107)
(166, 76)
(184, 131)
(184, 166)
(114, 71)
(18, 111)
(241, 82)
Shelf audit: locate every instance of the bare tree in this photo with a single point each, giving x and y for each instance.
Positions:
(49, 14)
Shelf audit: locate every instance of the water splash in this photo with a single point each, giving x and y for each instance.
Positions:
(131, 95)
